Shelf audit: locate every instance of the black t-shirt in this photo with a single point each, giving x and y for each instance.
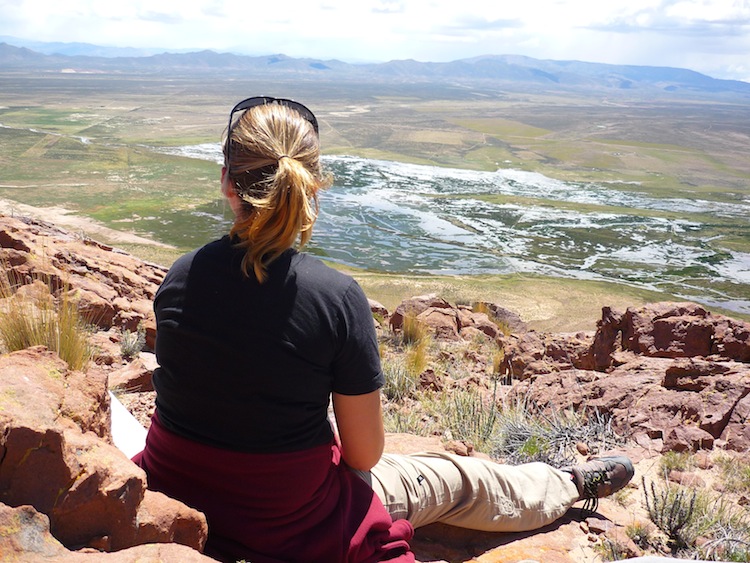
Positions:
(250, 366)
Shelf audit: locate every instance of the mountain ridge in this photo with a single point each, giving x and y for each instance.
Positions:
(505, 71)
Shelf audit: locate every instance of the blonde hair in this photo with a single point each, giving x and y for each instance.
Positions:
(272, 156)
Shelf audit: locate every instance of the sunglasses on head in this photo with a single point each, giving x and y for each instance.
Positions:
(263, 100)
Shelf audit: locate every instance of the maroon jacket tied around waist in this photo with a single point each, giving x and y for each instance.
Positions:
(304, 506)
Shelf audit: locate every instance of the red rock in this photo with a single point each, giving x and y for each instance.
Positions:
(414, 306)
(98, 273)
(25, 537)
(161, 519)
(507, 320)
(736, 434)
(443, 322)
(732, 339)
(134, 377)
(377, 308)
(429, 380)
(668, 330)
(687, 439)
(686, 478)
(623, 545)
(55, 455)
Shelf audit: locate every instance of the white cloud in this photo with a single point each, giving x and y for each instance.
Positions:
(711, 36)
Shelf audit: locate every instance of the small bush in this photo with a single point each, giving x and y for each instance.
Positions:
(735, 473)
(402, 419)
(640, 533)
(132, 343)
(471, 417)
(502, 326)
(727, 525)
(463, 414)
(523, 436)
(498, 357)
(609, 550)
(680, 461)
(622, 497)
(672, 508)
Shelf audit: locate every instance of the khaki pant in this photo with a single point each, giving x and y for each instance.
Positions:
(471, 492)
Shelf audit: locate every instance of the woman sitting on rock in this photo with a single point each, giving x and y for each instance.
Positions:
(253, 340)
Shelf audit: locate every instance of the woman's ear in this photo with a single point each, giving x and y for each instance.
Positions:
(227, 185)
(223, 179)
(230, 192)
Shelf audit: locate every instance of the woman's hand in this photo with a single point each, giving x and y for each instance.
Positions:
(360, 422)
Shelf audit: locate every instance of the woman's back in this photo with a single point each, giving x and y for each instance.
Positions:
(250, 366)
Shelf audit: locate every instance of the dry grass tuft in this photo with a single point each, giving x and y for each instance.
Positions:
(33, 318)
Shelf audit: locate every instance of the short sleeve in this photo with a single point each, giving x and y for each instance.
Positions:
(356, 367)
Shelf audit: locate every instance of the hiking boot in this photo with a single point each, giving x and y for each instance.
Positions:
(600, 477)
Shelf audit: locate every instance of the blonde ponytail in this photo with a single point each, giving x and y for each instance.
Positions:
(276, 171)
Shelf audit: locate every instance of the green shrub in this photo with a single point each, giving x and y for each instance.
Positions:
(672, 509)
(483, 307)
(402, 419)
(640, 533)
(524, 435)
(610, 550)
(464, 414)
(680, 461)
(132, 343)
(735, 473)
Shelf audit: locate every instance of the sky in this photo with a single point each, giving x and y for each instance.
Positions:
(708, 36)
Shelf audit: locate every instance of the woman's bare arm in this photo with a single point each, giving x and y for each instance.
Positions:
(360, 423)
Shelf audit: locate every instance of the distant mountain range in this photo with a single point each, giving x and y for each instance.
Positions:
(512, 72)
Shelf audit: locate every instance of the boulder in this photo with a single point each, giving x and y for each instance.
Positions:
(56, 455)
(668, 372)
(134, 377)
(377, 308)
(162, 519)
(531, 353)
(481, 322)
(668, 330)
(506, 319)
(414, 306)
(25, 537)
(441, 321)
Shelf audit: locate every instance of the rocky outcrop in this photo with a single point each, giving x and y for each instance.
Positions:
(670, 373)
(56, 456)
(113, 288)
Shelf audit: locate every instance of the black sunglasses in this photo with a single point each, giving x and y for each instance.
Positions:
(263, 100)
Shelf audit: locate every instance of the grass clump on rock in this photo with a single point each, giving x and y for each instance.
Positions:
(32, 315)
